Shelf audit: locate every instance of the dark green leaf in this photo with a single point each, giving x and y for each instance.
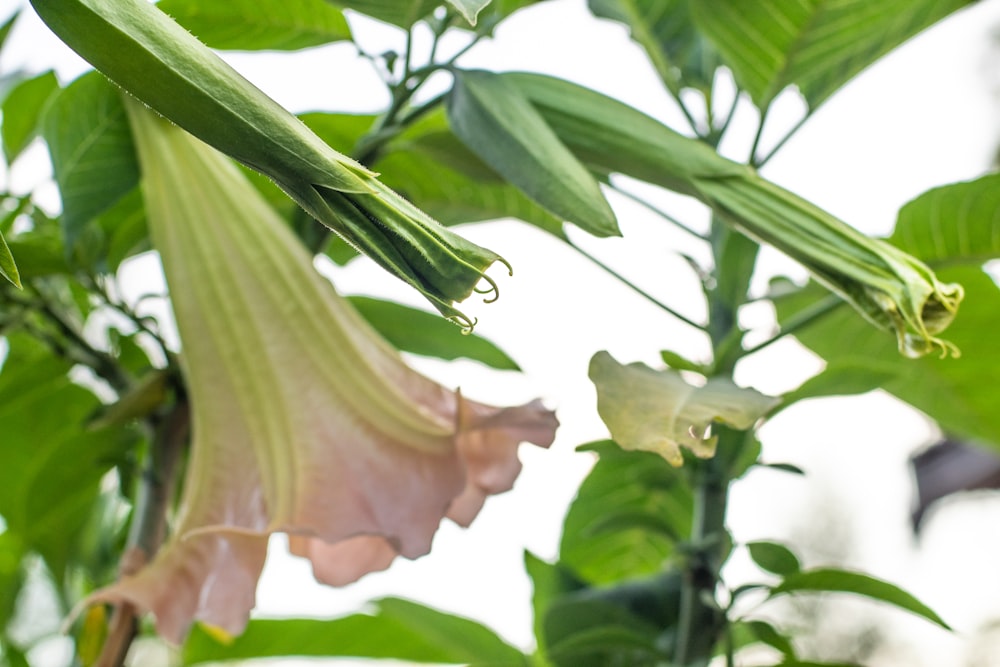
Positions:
(624, 483)
(420, 332)
(784, 467)
(831, 580)
(773, 557)
(816, 45)
(5, 28)
(21, 111)
(582, 630)
(52, 463)
(400, 13)
(679, 53)
(549, 581)
(257, 25)
(399, 629)
(766, 633)
(952, 224)
(8, 269)
(91, 148)
(499, 125)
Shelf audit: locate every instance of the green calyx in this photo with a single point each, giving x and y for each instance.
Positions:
(149, 55)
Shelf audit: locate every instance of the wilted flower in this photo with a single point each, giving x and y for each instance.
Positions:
(148, 54)
(304, 420)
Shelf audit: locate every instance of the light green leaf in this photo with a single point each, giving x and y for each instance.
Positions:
(843, 581)
(499, 125)
(679, 53)
(21, 111)
(8, 269)
(952, 224)
(469, 9)
(603, 551)
(91, 148)
(256, 25)
(400, 13)
(398, 629)
(658, 411)
(420, 332)
(775, 558)
(816, 45)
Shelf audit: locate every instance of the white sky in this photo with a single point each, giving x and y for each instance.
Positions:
(922, 117)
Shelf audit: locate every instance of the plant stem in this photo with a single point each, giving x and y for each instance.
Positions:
(700, 622)
(799, 321)
(758, 163)
(149, 523)
(636, 288)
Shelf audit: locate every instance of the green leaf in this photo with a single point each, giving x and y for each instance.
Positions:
(8, 269)
(624, 483)
(91, 148)
(499, 125)
(952, 224)
(679, 53)
(766, 633)
(11, 574)
(658, 411)
(611, 137)
(469, 9)
(21, 111)
(5, 28)
(256, 25)
(842, 581)
(550, 581)
(430, 166)
(52, 463)
(775, 558)
(400, 13)
(398, 629)
(816, 45)
(584, 629)
(420, 332)
(845, 379)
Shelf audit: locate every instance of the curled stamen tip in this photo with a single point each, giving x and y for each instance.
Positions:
(510, 269)
(493, 289)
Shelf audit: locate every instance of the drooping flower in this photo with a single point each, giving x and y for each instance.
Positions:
(147, 53)
(888, 287)
(304, 420)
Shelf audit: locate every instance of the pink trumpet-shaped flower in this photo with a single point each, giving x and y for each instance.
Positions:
(304, 420)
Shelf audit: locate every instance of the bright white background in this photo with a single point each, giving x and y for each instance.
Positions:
(922, 117)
